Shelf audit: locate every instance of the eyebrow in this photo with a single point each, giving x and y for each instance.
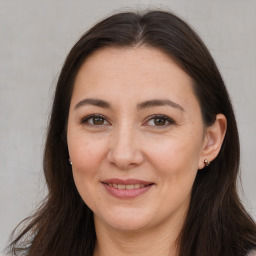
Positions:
(159, 102)
(146, 104)
(94, 102)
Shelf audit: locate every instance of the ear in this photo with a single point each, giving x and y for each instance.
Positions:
(213, 139)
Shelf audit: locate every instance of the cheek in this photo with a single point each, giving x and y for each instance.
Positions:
(175, 161)
(175, 155)
(175, 164)
(86, 158)
(86, 154)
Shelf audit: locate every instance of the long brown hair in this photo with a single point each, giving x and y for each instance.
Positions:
(216, 224)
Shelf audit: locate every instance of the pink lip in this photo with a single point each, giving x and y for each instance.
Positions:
(126, 193)
(126, 182)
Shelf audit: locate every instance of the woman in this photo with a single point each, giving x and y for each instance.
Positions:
(142, 152)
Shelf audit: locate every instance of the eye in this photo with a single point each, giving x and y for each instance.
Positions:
(159, 121)
(95, 120)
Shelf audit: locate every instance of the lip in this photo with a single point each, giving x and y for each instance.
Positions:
(125, 193)
(127, 182)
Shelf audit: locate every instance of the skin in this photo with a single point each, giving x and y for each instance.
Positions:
(128, 142)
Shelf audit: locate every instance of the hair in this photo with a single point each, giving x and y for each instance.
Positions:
(216, 223)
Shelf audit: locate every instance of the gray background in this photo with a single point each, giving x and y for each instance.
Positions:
(35, 37)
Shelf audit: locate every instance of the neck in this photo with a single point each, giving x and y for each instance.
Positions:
(155, 241)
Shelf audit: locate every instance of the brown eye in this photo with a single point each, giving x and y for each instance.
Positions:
(98, 121)
(159, 121)
(95, 120)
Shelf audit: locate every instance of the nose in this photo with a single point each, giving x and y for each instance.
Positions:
(124, 149)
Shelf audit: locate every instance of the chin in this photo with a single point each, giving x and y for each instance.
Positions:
(128, 225)
(126, 221)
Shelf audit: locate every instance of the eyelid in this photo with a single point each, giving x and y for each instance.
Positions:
(161, 116)
(154, 116)
(86, 118)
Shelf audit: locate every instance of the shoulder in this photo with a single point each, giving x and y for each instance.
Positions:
(252, 253)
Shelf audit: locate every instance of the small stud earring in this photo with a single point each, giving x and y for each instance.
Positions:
(206, 162)
(70, 161)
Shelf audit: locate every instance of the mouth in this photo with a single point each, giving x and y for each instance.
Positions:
(126, 189)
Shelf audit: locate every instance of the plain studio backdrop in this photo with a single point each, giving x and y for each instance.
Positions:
(35, 37)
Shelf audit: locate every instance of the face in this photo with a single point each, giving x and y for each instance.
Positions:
(135, 137)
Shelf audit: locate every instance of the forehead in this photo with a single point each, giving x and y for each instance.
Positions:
(126, 72)
(124, 59)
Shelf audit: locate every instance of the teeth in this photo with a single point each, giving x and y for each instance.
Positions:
(120, 186)
(128, 187)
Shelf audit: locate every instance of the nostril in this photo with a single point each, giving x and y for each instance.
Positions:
(125, 158)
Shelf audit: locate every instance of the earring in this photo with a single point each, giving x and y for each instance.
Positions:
(70, 161)
(206, 162)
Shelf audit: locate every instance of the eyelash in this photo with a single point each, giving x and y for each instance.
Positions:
(163, 117)
(87, 118)
(170, 121)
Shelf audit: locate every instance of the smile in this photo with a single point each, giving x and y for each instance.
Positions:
(126, 189)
